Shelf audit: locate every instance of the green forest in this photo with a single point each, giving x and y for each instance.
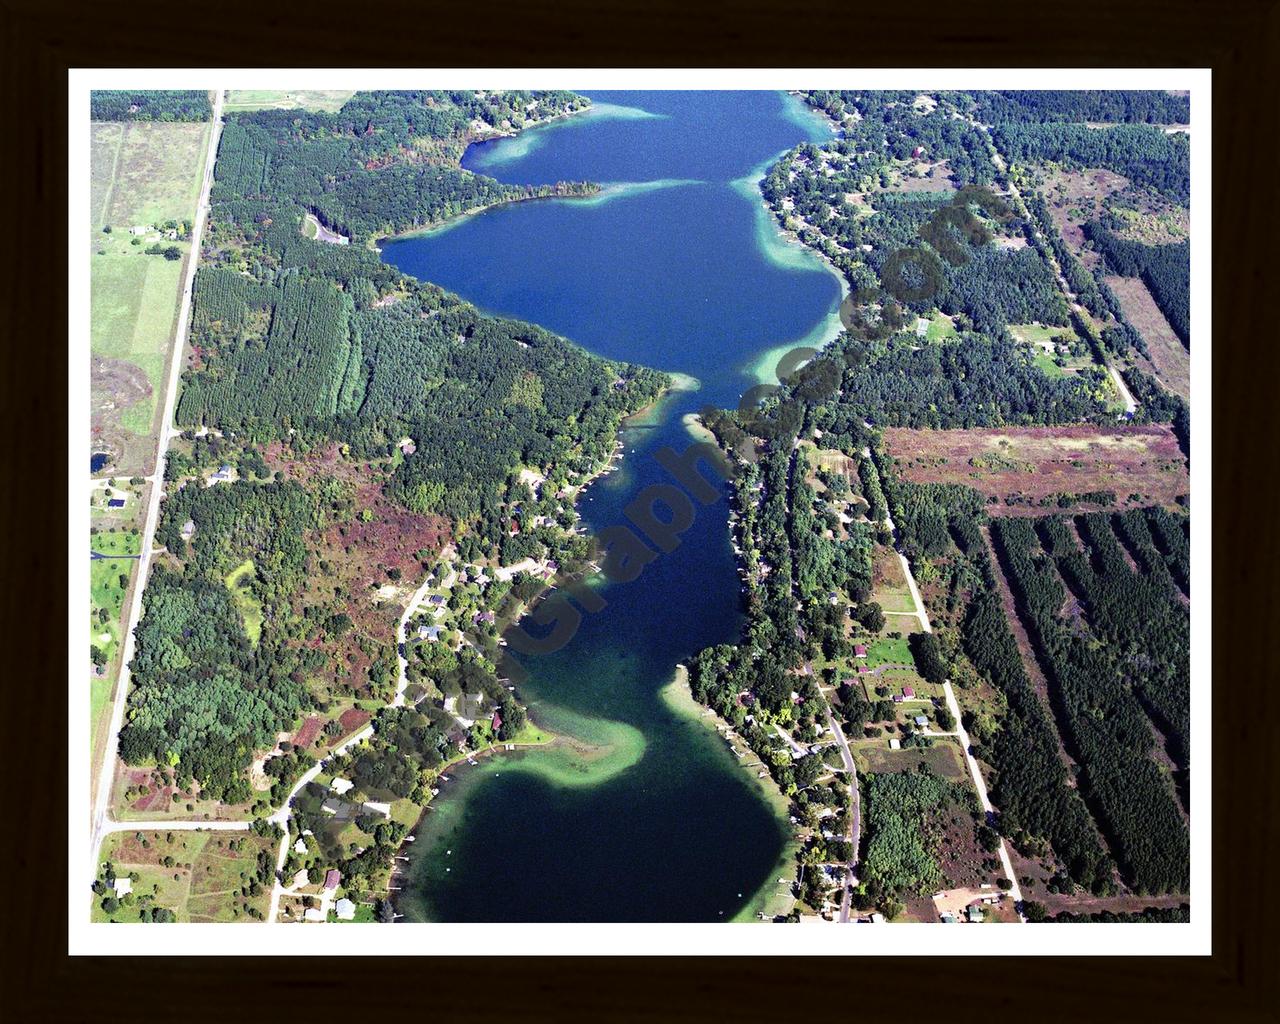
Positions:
(303, 346)
(150, 105)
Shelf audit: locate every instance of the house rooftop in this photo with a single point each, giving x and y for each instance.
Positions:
(332, 878)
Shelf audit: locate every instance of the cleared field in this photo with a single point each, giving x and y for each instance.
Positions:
(1171, 360)
(157, 173)
(1028, 464)
(238, 581)
(200, 876)
(1077, 197)
(890, 591)
(280, 99)
(1047, 344)
(944, 757)
(143, 176)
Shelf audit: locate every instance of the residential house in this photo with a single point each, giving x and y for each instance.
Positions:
(332, 878)
(345, 909)
(908, 691)
(921, 721)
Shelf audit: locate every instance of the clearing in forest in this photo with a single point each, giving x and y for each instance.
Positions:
(292, 99)
(1028, 469)
(1169, 357)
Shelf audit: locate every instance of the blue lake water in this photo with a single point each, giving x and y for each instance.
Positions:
(676, 265)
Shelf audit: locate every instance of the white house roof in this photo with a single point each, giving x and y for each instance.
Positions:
(123, 885)
(341, 786)
(346, 910)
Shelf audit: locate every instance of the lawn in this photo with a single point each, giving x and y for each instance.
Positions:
(291, 99)
(239, 582)
(940, 327)
(107, 590)
(889, 650)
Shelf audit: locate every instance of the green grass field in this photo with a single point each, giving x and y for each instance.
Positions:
(142, 174)
(889, 651)
(156, 175)
(238, 582)
(106, 592)
(940, 327)
(292, 99)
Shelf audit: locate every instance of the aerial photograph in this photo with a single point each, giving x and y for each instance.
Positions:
(596, 507)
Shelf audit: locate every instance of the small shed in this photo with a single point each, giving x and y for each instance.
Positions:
(908, 691)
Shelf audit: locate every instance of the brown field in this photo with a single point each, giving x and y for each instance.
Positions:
(943, 758)
(306, 735)
(1171, 360)
(355, 565)
(1076, 197)
(937, 178)
(1033, 463)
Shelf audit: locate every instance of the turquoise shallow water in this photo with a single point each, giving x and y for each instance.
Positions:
(676, 266)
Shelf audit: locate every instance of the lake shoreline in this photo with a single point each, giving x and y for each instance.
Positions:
(746, 824)
(679, 698)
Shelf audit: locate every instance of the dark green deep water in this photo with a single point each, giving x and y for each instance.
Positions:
(680, 269)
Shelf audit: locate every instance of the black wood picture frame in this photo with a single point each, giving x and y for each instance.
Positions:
(1238, 39)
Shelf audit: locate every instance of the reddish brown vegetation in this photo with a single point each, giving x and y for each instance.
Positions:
(309, 731)
(1032, 463)
(353, 719)
(375, 543)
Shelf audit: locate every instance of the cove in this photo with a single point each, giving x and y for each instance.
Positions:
(646, 816)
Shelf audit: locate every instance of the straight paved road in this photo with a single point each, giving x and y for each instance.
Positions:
(106, 773)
